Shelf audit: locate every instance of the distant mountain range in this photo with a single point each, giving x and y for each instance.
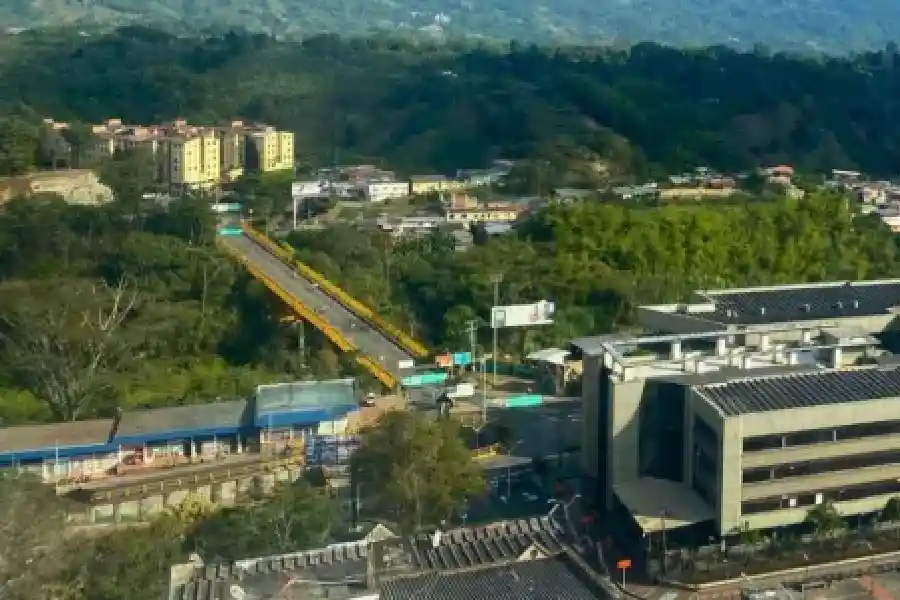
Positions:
(833, 26)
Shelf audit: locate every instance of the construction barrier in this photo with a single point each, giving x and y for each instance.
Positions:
(314, 319)
(286, 254)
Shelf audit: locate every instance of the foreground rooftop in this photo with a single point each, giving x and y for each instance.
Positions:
(524, 558)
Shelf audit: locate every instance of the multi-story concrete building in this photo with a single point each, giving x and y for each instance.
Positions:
(762, 451)
(665, 415)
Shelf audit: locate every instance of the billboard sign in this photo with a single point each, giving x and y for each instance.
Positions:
(309, 189)
(523, 315)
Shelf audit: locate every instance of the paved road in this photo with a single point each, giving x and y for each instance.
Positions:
(370, 341)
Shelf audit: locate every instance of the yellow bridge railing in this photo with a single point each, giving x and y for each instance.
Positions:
(286, 253)
(314, 319)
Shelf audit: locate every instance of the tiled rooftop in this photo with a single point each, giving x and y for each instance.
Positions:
(343, 569)
(553, 578)
(801, 390)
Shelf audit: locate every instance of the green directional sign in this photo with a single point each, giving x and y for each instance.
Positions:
(524, 401)
(424, 379)
(231, 231)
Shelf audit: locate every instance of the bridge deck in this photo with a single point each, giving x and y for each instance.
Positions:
(378, 347)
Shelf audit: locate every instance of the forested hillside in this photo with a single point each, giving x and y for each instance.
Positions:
(420, 106)
(834, 26)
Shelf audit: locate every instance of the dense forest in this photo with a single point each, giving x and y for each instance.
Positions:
(423, 106)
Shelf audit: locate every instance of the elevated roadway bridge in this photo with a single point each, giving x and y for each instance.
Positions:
(379, 347)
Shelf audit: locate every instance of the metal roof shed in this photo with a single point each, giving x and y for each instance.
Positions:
(64, 440)
(304, 402)
(181, 422)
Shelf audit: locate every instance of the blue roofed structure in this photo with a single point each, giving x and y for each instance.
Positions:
(182, 422)
(304, 403)
(29, 443)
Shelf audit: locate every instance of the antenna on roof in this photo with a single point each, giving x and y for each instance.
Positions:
(855, 303)
(840, 305)
(762, 310)
(806, 307)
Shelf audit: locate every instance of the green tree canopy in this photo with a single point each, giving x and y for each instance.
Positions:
(414, 470)
(295, 517)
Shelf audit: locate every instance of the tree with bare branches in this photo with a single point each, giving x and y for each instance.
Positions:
(62, 349)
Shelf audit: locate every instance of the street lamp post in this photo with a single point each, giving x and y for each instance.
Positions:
(483, 392)
(509, 470)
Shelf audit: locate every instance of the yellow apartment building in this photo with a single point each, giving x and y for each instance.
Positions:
(192, 159)
(233, 141)
(192, 156)
(269, 150)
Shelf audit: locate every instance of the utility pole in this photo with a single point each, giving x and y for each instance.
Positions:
(472, 328)
(496, 279)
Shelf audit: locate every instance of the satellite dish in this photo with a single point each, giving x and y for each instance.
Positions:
(237, 592)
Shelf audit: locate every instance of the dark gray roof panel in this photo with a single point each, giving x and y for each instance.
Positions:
(538, 579)
(796, 303)
(801, 390)
(224, 416)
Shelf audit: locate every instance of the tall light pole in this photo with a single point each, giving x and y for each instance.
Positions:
(509, 470)
(496, 279)
(472, 326)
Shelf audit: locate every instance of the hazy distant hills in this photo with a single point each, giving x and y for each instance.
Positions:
(835, 26)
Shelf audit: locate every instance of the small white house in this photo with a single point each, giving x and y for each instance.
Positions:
(380, 191)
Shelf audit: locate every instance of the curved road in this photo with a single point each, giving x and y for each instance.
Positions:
(370, 341)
